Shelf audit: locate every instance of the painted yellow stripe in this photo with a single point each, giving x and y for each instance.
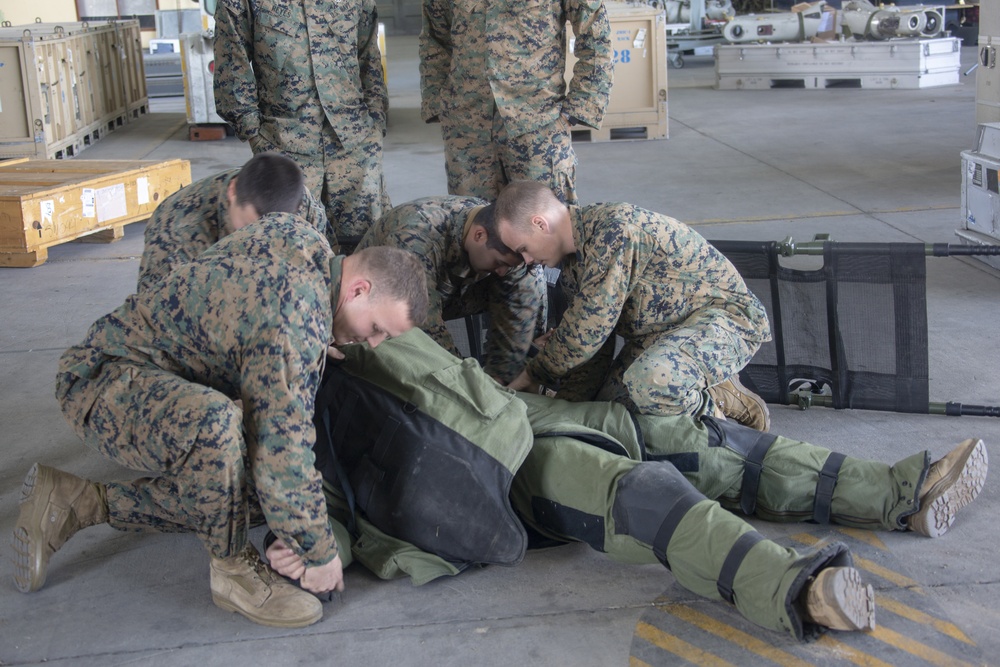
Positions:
(678, 647)
(636, 662)
(869, 537)
(843, 651)
(734, 636)
(817, 214)
(917, 616)
(889, 575)
(922, 651)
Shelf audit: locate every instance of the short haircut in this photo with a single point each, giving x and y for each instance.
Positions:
(519, 201)
(397, 275)
(486, 219)
(272, 183)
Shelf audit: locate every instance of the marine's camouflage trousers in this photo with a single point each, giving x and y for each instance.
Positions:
(189, 439)
(502, 359)
(666, 373)
(480, 158)
(348, 183)
(665, 509)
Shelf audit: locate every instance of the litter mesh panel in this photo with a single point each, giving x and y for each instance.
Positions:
(872, 355)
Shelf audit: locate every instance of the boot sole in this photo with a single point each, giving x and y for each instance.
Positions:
(848, 603)
(29, 570)
(953, 493)
(224, 603)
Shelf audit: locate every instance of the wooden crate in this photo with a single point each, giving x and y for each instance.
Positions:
(638, 105)
(63, 86)
(47, 202)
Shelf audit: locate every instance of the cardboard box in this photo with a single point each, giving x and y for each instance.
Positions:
(47, 202)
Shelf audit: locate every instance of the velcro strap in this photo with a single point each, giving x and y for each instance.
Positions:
(682, 505)
(751, 471)
(827, 482)
(739, 551)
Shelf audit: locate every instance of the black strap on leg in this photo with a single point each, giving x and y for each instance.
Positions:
(682, 505)
(827, 482)
(752, 445)
(739, 551)
(752, 469)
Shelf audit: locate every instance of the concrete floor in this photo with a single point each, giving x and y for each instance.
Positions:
(862, 165)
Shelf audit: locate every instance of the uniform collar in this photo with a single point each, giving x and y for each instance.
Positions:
(579, 228)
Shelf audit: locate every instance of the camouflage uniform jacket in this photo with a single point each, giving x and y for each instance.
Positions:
(637, 273)
(513, 53)
(434, 228)
(295, 70)
(250, 318)
(191, 220)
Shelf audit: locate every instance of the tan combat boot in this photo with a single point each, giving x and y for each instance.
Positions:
(739, 403)
(246, 585)
(952, 482)
(839, 600)
(54, 505)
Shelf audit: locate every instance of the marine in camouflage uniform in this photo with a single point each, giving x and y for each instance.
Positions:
(436, 229)
(152, 387)
(493, 75)
(304, 78)
(194, 218)
(687, 318)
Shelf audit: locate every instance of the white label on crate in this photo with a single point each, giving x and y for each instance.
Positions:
(142, 190)
(640, 38)
(48, 208)
(111, 202)
(87, 201)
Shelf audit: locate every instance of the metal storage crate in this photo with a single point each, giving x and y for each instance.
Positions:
(981, 191)
(898, 63)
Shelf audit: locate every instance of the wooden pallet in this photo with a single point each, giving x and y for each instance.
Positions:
(48, 202)
(637, 133)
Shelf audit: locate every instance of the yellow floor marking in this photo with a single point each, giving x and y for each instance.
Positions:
(869, 537)
(917, 616)
(922, 651)
(731, 634)
(889, 575)
(636, 662)
(849, 653)
(679, 647)
(817, 214)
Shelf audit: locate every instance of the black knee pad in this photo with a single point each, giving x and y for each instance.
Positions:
(650, 502)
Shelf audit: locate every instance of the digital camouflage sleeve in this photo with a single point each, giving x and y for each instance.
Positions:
(251, 319)
(194, 218)
(637, 273)
(434, 229)
(513, 52)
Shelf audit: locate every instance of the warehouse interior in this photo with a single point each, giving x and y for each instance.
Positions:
(860, 164)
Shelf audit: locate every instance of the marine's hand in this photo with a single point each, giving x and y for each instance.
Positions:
(522, 382)
(324, 578)
(543, 339)
(334, 353)
(284, 561)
